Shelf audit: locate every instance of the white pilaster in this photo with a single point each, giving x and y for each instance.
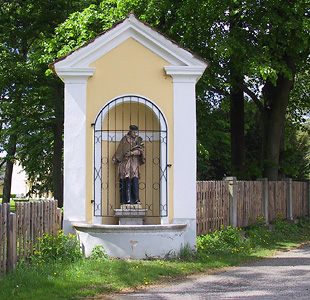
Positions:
(184, 164)
(74, 145)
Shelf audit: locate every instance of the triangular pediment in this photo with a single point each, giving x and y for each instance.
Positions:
(133, 28)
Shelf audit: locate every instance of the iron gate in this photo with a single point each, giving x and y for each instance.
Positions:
(111, 125)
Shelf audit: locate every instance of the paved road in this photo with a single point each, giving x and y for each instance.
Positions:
(284, 276)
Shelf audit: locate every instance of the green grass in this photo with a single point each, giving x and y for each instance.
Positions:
(87, 278)
(73, 277)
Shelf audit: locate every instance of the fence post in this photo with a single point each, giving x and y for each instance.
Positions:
(3, 238)
(233, 209)
(265, 199)
(12, 243)
(289, 199)
(8, 237)
(58, 219)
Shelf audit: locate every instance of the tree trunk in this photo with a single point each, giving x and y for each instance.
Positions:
(237, 140)
(9, 169)
(58, 145)
(276, 101)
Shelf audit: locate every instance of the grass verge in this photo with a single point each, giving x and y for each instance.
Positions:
(55, 274)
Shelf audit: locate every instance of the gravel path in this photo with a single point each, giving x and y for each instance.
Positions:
(284, 276)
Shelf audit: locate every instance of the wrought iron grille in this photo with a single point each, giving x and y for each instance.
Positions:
(111, 125)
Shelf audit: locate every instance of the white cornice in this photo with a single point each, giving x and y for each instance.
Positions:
(74, 75)
(185, 73)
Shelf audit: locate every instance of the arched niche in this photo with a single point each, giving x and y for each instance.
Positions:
(111, 124)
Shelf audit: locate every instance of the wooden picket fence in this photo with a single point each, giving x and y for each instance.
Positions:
(212, 206)
(19, 231)
(219, 204)
(238, 203)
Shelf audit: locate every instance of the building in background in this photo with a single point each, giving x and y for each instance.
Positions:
(20, 185)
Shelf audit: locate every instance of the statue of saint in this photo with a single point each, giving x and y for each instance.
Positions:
(129, 156)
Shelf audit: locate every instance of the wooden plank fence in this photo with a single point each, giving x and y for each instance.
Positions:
(249, 201)
(238, 203)
(19, 231)
(302, 193)
(212, 206)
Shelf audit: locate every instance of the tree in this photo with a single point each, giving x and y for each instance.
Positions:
(12, 97)
(252, 44)
(243, 43)
(213, 145)
(27, 104)
(256, 48)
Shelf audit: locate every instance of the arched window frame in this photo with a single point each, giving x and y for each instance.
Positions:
(101, 134)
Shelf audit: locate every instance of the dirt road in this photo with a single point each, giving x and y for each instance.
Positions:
(284, 276)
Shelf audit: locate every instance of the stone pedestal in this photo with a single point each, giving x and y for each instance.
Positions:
(133, 241)
(130, 214)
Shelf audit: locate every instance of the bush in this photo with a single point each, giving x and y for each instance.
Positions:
(261, 236)
(98, 253)
(223, 242)
(61, 247)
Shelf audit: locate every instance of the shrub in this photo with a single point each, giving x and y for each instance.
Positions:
(61, 247)
(98, 253)
(187, 253)
(259, 221)
(259, 236)
(222, 242)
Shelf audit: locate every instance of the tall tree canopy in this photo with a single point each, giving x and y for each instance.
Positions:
(255, 47)
(31, 106)
(258, 50)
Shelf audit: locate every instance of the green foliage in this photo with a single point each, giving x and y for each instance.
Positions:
(294, 159)
(187, 253)
(61, 247)
(253, 142)
(299, 106)
(258, 234)
(236, 244)
(29, 111)
(261, 236)
(253, 40)
(98, 253)
(213, 146)
(12, 195)
(83, 26)
(233, 36)
(222, 243)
